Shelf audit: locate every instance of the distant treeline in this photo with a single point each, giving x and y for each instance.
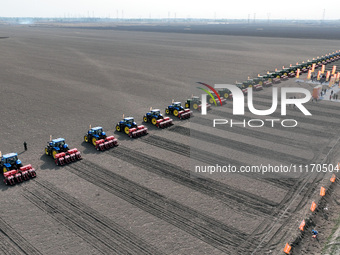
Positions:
(37, 20)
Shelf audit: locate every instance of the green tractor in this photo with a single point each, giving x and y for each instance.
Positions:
(272, 77)
(226, 93)
(262, 81)
(250, 83)
(242, 87)
(195, 103)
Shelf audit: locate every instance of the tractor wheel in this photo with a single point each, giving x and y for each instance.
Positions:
(46, 151)
(167, 111)
(54, 152)
(4, 169)
(127, 130)
(145, 119)
(154, 121)
(195, 106)
(86, 139)
(186, 105)
(94, 140)
(175, 113)
(211, 100)
(226, 95)
(118, 128)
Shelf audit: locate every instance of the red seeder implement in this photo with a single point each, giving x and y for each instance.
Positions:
(163, 123)
(107, 143)
(16, 176)
(185, 114)
(67, 157)
(137, 132)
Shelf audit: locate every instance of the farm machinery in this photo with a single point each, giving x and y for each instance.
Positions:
(272, 77)
(282, 74)
(195, 103)
(13, 170)
(250, 83)
(178, 110)
(262, 81)
(58, 149)
(242, 87)
(157, 119)
(129, 126)
(99, 139)
(214, 99)
(226, 93)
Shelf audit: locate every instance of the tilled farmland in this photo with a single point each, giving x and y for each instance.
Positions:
(142, 196)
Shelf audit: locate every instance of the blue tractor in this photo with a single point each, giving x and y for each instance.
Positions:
(99, 139)
(55, 147)
(156, 118)
(130, 127)
(10, 162)
(94, 134)
(58, 149)
(13, 170)
(178, 110)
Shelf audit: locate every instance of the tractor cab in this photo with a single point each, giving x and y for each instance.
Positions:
(195, 99)
(97, 132)
(129, 122)
(226, 93)
(10, 161)
(59, 144)
(242, 87)
(177, 104)
(248, 83)
(156, 113)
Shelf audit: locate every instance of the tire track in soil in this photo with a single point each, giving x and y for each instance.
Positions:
(209, 187)
(259, 151)
(267, 223)
(203, 227)
(209, 158)
(253, 132)
(97, 230)
(243, 147)
(19, 242)
(305, 193)
(8, 248)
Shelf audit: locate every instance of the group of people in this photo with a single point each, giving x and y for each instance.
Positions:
(333, 95)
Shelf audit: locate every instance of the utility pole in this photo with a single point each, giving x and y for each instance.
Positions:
(323, 15)
(248, 18)
(254, 17)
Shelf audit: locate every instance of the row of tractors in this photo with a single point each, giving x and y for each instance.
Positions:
(14, 172)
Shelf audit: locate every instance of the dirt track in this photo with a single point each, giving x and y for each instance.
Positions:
(140, 197)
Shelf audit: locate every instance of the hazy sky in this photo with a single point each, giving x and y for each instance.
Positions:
(290, 9)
